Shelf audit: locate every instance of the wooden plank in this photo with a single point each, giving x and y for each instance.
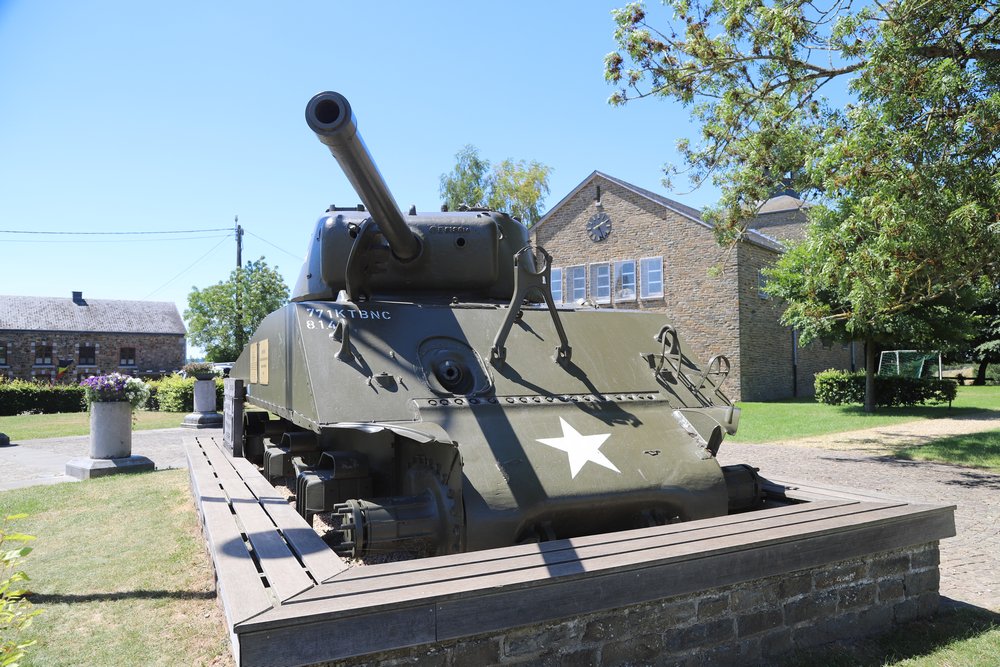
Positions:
(284, 573)
(240, 588)
(496, 557)
(809, 491)
(887, 527)
(307, 644)
(315, 554)
(578, 550)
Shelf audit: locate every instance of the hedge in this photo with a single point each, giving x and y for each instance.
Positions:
(176, 394)
(835, 387)
(20, 396)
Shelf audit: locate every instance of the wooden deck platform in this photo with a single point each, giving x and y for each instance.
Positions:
(289, 600)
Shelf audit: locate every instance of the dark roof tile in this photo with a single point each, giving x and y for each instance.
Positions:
(43, 313)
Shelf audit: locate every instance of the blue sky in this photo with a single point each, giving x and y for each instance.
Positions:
(134, 116)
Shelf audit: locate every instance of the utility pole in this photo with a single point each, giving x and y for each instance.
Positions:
(239, 304)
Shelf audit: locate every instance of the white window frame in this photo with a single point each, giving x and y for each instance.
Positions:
(557, 284)
(576, 283)
(645, 283)
(619, 292)
(762, 284)
(600, 286)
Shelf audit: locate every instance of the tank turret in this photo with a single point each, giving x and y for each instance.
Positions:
(375, 248)
(428, 395)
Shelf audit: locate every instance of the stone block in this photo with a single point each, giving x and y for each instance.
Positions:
(87, 468)
(654, 618)
(819, 605)
(891, 590)
(795, 585)
(929, 556)
(918, 583)
(916, 607)
(481, 651)
(759, 621)
(890, 565)
(775, 643)
(858, 596)
(838, 575)
(610, 627)
(713, 606)
(642, 650)
(534, 641)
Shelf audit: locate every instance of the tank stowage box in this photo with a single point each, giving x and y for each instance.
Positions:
(430, 393)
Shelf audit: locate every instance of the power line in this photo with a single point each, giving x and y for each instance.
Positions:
(290, 254)
(102, 241)
(189, 266)
(63, 233)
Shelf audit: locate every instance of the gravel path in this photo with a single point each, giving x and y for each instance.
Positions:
(970, 562)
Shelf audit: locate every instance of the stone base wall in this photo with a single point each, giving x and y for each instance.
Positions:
(749, 623)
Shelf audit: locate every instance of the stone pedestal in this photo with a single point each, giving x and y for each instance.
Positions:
(110, 444)
(204, 415)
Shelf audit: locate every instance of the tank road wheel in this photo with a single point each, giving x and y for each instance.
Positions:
(254, 428)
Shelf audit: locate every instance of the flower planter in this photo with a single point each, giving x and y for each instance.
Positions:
(110, 429)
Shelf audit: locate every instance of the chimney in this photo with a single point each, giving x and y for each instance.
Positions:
(78, 299)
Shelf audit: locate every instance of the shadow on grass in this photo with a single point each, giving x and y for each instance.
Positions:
(925, 411)
(69, 598)
(968, 635)
(961, 476)
(979, 450)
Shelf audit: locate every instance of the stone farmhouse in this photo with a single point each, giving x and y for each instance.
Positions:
(50, 338)
(621, 246)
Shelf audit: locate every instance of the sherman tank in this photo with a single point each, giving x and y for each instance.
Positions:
(432, 396)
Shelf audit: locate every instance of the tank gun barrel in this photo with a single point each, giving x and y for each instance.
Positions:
(329, 115)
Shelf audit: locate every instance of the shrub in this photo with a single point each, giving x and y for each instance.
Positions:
(18, 396)
(15, 612)
(176, 394)
(834, 387)
(153, 402)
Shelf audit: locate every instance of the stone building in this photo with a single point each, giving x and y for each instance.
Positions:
(46, 338)
(621, 246)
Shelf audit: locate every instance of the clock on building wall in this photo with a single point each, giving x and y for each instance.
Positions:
(599, 226)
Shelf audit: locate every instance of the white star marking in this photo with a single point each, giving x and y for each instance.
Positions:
(581, 448)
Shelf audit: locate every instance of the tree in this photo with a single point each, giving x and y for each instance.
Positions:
(901, 159)
(987, 338)
(247, 296)
(515, 187)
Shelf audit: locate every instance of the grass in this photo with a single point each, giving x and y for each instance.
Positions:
(30, 427)
(787, 420)
(955, 638)
(121, 575)
(978, 450)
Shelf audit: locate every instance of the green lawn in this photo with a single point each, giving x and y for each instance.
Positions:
(978, 450)
(788, 420)
(120, 572)
(30, 427)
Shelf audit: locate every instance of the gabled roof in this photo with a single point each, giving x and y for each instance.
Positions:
(45, 313)
(752, 235)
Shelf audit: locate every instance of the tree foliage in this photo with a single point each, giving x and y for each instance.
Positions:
(886, 115)
(516, 187)
(250, 293)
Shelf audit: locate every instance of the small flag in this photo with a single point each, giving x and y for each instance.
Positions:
(63, 367)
